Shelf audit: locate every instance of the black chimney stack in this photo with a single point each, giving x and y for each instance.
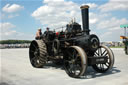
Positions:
(85, 18)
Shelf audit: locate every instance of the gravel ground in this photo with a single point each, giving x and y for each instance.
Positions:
(17, 70)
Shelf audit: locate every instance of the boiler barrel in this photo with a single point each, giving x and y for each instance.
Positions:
(85, 18)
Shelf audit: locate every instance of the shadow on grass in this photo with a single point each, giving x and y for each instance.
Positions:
(4, 83)
(93, 74)
(90, 73)
(53, 66)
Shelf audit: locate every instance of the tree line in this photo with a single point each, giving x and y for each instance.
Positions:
(14, 41)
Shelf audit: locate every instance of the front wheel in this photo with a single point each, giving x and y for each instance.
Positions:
(104, 51)
(75, 61)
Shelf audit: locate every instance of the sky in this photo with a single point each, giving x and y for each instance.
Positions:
(20, 19)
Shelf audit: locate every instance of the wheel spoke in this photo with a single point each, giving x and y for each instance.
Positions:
(33, 45)
(77, 68)
(100, 52)
(103, 52)
(77, 56)
(106, 65)
(74, 53)
(70, 55)
(71, 68)
(97, 53)
(33, 60)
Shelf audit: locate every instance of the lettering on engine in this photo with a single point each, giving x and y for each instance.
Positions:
(100, 60)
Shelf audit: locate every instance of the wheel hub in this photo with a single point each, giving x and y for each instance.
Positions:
(73, 61)
(36, 53)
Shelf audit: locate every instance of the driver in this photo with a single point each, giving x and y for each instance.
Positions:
(38, 34)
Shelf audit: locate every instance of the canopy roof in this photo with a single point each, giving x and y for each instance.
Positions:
(124, 26)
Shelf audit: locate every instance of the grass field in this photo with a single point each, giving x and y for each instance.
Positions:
(117, 47)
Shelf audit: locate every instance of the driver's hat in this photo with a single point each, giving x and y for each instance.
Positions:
(39, 28)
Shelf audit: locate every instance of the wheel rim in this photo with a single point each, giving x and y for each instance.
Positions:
(104, 52)
(74, 63)
(34, 54)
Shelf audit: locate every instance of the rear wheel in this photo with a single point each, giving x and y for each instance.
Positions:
(75, 61)
(37, 53)
(104, 51)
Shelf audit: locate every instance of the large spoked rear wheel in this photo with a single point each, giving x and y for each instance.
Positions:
(104, 51)
(37, 53)
(75, 61)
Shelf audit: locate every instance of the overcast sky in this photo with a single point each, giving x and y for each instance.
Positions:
(20, 19)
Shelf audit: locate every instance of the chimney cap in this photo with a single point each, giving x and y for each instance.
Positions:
(84, 7)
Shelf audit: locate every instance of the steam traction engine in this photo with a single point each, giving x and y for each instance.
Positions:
(75, 48)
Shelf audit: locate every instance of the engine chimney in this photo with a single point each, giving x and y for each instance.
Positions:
(85, 18)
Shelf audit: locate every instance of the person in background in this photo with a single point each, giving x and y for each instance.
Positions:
(46, 33)
(47, 30)
(38, 34)
(46, 40)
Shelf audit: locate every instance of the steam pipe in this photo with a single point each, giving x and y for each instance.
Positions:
(85, 18)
